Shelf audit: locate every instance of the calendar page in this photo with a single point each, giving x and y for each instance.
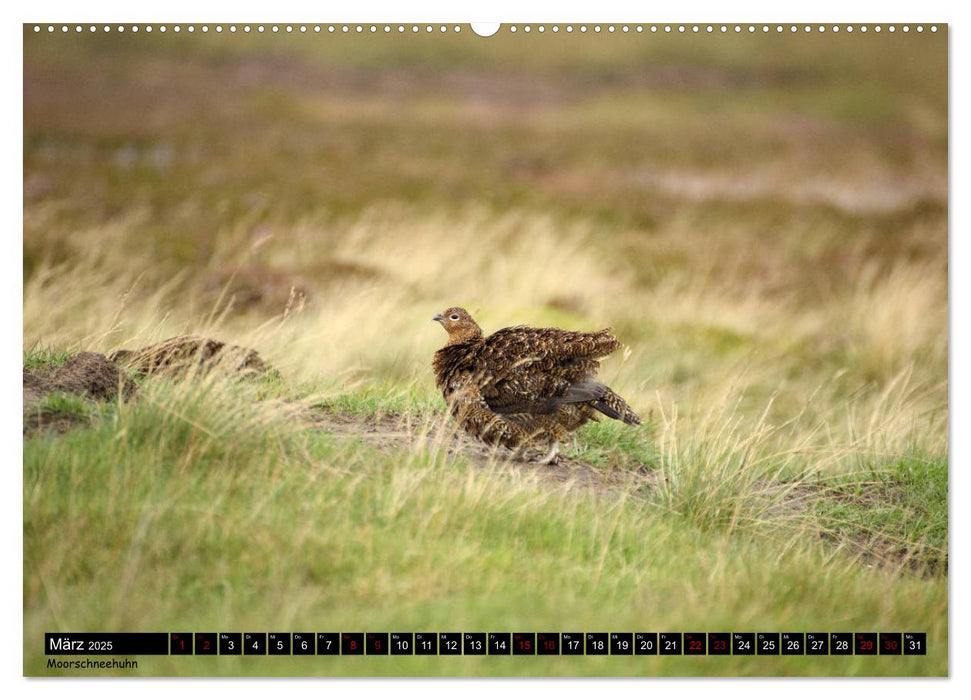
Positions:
(517, 349)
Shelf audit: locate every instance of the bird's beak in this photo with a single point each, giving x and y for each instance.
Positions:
(437, 317)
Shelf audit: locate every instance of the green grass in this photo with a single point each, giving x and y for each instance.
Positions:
(376, 398)
(190, 496)
(64, 404)
(44, 359)
(612, 445)
(896, 513)
(60, 411)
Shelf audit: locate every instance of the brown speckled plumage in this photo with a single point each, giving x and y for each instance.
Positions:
(524, 385)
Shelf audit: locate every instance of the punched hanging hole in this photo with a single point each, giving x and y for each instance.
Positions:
(485, 28)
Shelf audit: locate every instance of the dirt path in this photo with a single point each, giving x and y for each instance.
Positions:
(397, 433)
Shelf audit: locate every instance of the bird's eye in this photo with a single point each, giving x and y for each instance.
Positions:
(454, 317)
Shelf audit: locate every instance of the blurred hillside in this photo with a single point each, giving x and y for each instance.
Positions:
(773, 204)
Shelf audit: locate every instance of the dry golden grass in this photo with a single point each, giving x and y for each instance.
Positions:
(694, 337)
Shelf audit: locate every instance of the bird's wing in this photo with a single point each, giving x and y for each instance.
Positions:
(551, 346)
(536, 370)
(525, 390)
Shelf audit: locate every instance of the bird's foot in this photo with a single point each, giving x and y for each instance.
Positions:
(529, 454)
(553, 455)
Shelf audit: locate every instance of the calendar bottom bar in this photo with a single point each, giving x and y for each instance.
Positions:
(531, 644)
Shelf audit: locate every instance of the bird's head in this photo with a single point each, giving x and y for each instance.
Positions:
(459, 325)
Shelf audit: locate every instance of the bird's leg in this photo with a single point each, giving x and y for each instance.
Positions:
(552, 456)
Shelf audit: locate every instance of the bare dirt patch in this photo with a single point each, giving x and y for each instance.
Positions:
(397, 433)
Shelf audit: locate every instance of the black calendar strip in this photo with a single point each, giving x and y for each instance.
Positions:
(486, 643)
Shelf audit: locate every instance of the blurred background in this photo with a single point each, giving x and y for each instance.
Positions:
(755, 215)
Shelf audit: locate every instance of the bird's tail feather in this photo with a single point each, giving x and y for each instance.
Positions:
(601, 397)
(613, 406)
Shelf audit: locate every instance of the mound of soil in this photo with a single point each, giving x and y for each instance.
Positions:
(180, 355)
(88, 374)
(95, 377)
(36, 387)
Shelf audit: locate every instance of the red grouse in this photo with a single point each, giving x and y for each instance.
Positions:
(522, 386)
